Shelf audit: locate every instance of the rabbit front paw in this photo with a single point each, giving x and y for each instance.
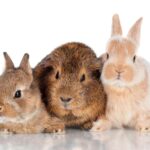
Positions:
(100, 125)
(143, 128)
(5, 131)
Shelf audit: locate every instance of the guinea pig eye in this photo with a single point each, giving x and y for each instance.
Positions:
(82, 78)
(57, 75)
(134, 58)
(107, 55)
(17, 94)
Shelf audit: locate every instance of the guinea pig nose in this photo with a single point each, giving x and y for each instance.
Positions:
(65, 100)
(1, 108)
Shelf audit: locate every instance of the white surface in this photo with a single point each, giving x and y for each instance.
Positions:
(78, 140)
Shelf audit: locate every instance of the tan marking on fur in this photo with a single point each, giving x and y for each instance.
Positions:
(110, 72)
(121, 48)
(134, 32)
(116, 26)
(128, 74)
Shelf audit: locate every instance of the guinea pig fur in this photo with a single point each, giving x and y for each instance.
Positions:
(69, 82)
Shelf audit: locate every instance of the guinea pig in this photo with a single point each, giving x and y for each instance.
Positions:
(21, 107)
(69, 82)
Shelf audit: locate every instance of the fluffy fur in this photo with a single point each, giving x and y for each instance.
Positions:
(25, 113)
(126, 79)
(71, 72)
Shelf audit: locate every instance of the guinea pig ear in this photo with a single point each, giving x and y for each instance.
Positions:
(96, 68)
(8, 62)
(134, 32)
(25, 65)
(116, 26)
(44, 68)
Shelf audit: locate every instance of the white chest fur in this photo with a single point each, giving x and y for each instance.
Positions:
(123, 107)
(121, 111)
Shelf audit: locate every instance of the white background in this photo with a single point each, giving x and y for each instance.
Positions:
(39, 26)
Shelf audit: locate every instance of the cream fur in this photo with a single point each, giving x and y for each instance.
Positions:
(139, 69)
(127, 106)
(119, 38)
(20, 119)
(126, 81)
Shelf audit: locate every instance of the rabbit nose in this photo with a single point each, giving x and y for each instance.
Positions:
(1, 108)
(119, 72)
(65, 100)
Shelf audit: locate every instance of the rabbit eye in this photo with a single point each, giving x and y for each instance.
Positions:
(82, 78)
(57, 75)
(18, 94)
(134, 58)
(107, 56)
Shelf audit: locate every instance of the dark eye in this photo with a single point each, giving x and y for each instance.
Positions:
(134, 58)
(107, 56)
(57, 75)
(17, 94)
(82, 78)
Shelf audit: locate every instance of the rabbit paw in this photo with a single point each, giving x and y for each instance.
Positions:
(5, 131)
(143, 129)
(143, 125)
(100, 125)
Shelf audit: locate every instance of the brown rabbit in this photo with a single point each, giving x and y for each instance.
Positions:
(69, 81)
(21, 108)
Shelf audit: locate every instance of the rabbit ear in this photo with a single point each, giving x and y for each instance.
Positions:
(25, 65)
(134, 32)
(8, 62)
(116, 26)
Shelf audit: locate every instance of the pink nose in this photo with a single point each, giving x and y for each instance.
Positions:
(119, 72)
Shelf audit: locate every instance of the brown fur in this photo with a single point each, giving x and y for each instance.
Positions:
(21, 78)
(72, 61)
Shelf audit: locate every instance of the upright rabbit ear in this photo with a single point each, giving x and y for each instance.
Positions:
(8, 62)
(25, 65)
(116, 26)
(134, 32)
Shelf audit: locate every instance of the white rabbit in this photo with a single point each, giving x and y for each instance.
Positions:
(126, 80)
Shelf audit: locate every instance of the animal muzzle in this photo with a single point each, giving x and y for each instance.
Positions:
(65, 101)
(119, 74)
